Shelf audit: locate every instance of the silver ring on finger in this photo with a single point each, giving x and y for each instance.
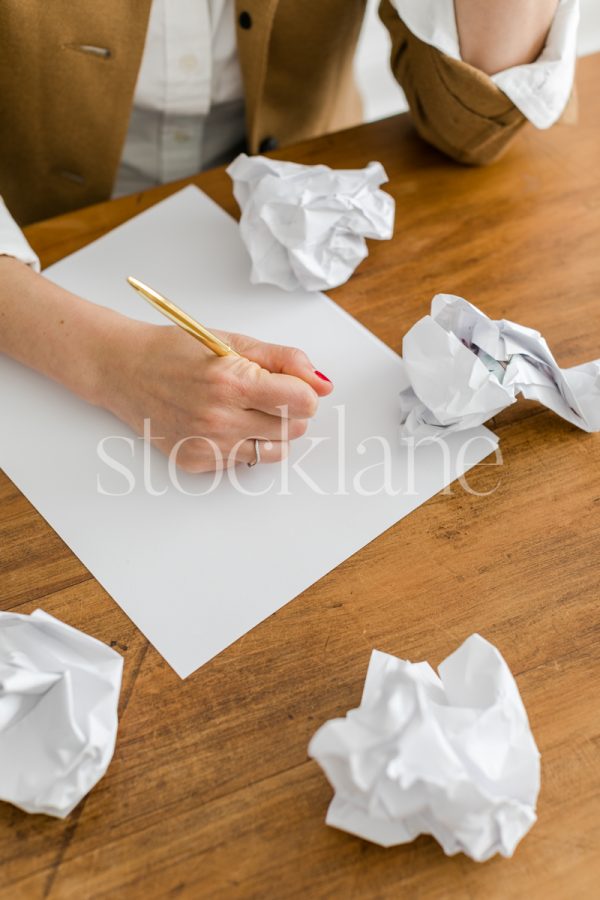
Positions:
(256, 454)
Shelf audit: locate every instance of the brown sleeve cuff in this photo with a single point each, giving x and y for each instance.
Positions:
(454, 106)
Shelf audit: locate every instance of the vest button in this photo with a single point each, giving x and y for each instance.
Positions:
(245, 20)
(267, 144)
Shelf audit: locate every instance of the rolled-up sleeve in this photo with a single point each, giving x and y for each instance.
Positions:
(12, 240)
(465, 113)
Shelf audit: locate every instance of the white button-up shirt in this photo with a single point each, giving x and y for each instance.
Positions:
(188, 111)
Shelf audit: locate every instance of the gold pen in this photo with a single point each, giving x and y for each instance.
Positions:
(182, 319)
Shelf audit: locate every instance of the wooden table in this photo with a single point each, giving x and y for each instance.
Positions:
(210, 793)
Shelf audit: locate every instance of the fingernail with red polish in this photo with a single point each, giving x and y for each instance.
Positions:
(323, 377)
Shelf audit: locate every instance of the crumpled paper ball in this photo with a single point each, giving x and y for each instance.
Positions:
(450, 755)
(59, 690)
(461, 368)
(305, 226)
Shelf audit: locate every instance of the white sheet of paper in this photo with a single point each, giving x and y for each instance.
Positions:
(196, 572)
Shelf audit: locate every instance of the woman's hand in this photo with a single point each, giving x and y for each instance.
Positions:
(205, 409)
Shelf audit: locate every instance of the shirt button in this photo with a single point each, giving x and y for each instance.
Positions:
(267, 144)
(245, 20)
(189, 62)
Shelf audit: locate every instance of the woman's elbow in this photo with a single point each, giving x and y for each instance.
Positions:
(469, 139)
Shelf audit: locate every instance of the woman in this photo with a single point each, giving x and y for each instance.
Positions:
(110, 96)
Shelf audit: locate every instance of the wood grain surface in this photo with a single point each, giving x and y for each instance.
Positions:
(210, 793)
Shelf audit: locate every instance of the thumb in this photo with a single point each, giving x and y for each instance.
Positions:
(282, 360)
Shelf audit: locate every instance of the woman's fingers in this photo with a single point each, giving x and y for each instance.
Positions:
(269, 452)
(282, 360)
(252, 423)
(280, 395)
(243, 385)
(201, 455)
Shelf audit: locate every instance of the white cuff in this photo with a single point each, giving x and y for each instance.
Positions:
(541, 89)
(12, 240)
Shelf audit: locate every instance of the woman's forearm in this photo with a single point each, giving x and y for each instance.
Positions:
(497, 34)
(50, 330)
(211, 408)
